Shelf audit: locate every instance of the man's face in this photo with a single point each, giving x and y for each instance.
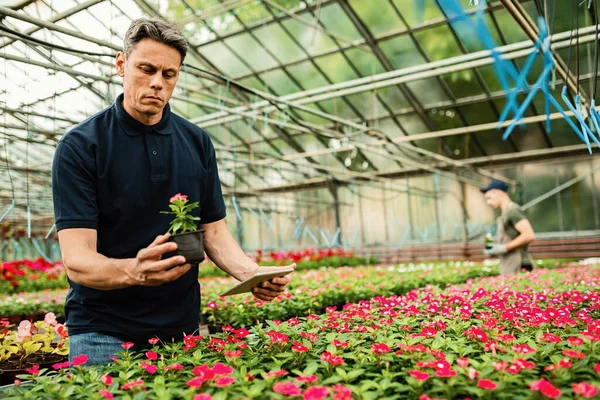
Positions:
(493, 198)
(150, 74)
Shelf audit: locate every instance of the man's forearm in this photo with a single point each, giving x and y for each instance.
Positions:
(518, 242)
(227, 254)
(91, 269)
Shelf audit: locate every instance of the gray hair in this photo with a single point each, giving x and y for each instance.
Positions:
(155, 29)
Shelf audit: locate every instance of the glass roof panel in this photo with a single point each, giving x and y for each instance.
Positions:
(378, 15)
(251, 51)
(223, 59)
(274, 38)
(401, 52)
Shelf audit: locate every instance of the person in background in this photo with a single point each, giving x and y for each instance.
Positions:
(514, 231)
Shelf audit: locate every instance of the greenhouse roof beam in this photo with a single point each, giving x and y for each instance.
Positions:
(57, 17)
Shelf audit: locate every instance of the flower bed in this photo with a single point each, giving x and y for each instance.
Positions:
(312, 291)
(31, 275)
(32, 305)
(529, 336)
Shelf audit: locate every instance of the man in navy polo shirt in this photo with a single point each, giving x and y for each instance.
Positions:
(111, 176)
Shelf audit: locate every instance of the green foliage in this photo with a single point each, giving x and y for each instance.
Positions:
(184, 220)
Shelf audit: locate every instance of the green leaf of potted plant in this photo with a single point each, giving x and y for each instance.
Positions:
(184, 230)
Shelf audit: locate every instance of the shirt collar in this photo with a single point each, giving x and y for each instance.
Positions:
(133, 127)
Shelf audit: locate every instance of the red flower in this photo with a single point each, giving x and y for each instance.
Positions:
(106, 379)
(585, 389)
(332, 359)
(575, 341)
(203, 396)
(33, 370)
(62, 365)
(224, 381)
(132, 384)
(307, 378)
(241, 333)
(380, 348)
(273, 374)
(203, 372)
(106, 394)
(573, 354)
(151, 355)
(337, 343)
(546, 388)
(445, 373)
(523, 349)
(418, 375)
(222, 369)
(486, 384)
(315, 393)
(127, 345)
(299, 347)
(287, 388)
(196, 382)
(310, 336)
(462, 362)
(525, 364)
(151, 369)
(80, 359)
(233, 354)
(153, 341)
(597, 368)
(550, 338)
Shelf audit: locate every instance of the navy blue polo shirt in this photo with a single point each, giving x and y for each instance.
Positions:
(114, 174)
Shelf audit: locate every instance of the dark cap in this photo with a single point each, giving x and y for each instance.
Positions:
(495, 184)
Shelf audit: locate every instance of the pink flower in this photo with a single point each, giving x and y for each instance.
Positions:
(550, 338)
(233, 354)
(174, 367)
(500, 365)
(299, 347)
(203, 396)
(106, 394)
(546, 388)
(315, 393)
(523, 349)
(151, 369)
(62, 365)
(445, 373)
(337, 343)
(273, 374)
(472, 373)
(203, 372)
(127, 345)
(585, 389)
(418, 375)
(341, 392)
(106, 379)
(573, 354)
(153, 341)
(486, 384)
(33, 370)
(307, 378)
(575, 341)
(50, 319)
(224, 381)
(462, 362)
(151, 355)
(222, 369)
(132, 384)
(287, 388)
(80, 359)
(332, 359)
(380, 348)
(178, 196)
(597, 368)
(196, 382)
(212, 305)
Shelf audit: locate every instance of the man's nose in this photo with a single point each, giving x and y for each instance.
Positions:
(157, 81)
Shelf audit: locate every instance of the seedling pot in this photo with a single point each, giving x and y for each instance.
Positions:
(189, 245)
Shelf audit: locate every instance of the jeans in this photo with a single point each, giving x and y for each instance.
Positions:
(97, 346)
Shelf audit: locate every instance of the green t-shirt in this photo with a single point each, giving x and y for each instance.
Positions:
(511, 217)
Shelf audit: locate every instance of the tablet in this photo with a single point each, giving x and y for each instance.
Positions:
(250, 283)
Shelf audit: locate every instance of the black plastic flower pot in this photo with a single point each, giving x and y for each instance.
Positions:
(190, 245)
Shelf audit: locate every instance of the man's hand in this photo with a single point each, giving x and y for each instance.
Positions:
(268, 290)
(149, 269)
(496, 250)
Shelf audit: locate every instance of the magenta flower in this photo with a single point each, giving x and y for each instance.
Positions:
(315, 393)
(178, 196)
(307, 378)
(222, 369)
(106, 394)
(299, 347)
(33, 370)
(151, 355)
(585, 389)
(106, 379)
(149, 368)
(287, 388)
(380, 348)
(486, 384)
(127, 345)
(80, 359)
(224, 381)
(419, 375)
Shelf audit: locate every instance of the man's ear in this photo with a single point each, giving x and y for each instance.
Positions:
(120, 63)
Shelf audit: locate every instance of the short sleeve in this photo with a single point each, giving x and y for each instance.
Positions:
(516, 215)
(213, 206)
(73, 189)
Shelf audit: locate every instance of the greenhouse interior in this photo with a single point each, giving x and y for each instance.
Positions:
(303, 199)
